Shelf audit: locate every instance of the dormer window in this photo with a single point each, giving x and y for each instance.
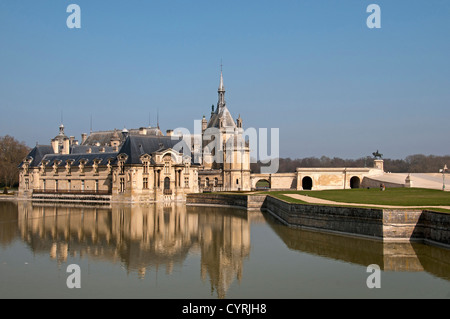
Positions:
(122, 158)
(26, 168)
(145, 160)
(167, 160)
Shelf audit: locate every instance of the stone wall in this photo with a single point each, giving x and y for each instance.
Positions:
(434, 227)
(209, 199)
(72, 198)
(386, 224)
(396, 225)
(351, 220)
(373, 183)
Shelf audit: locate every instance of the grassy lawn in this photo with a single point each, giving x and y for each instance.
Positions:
(391, 196)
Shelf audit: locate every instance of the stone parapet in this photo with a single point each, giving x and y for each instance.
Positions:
(389, 225)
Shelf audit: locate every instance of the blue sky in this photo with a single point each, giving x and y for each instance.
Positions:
(312, 68)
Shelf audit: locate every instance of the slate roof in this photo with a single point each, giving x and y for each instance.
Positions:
(38, 153)
(104, 137)
(134, 146)
(225, 115)
(103, 157)
(138, 145)
(83, 149)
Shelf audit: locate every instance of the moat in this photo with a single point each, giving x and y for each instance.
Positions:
(179, 251)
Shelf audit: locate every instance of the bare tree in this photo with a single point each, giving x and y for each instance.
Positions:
(12, 153)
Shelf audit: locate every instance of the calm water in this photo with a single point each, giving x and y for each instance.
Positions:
(174, 251)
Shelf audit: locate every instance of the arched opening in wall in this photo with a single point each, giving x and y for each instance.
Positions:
(262, 184)
(167, 190)
(167, 183)
(355, 182)
(307, 183)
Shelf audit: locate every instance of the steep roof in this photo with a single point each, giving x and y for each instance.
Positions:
(38, 153)
(104, 137)
(76, 158)
(83, 149)
(223, 114)
(137, 145)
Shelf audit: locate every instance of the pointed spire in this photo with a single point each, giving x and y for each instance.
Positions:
(221, 86)
(221, 103)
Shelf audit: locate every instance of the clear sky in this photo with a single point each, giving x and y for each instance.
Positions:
(312, 68)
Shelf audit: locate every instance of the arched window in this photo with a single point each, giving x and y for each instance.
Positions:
(167, 183)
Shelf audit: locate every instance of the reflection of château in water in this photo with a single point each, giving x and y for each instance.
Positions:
(146, 238)
(142, 237)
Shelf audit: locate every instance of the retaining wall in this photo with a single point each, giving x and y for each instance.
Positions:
(384, 224)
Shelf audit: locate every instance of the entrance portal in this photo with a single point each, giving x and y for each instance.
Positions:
(262, 184)
(355, 182)
(307, 183)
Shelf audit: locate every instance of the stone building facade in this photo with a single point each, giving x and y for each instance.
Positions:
(139, 165)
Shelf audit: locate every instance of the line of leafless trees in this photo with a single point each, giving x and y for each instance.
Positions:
(12, 153)
(417, 163)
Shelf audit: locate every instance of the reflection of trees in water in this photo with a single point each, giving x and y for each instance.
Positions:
(142, 237)
(8, 222)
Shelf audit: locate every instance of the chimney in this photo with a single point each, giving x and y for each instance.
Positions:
(142, 131)
(83, 138)
(169, 132)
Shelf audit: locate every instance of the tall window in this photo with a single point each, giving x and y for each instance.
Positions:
(121, 168)
(186, 181)
(145, 165)
(56, 185)
(82, 185)
(69, 184)
(122, 185)
(145, 183)
(166, 167)
(96, 185)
